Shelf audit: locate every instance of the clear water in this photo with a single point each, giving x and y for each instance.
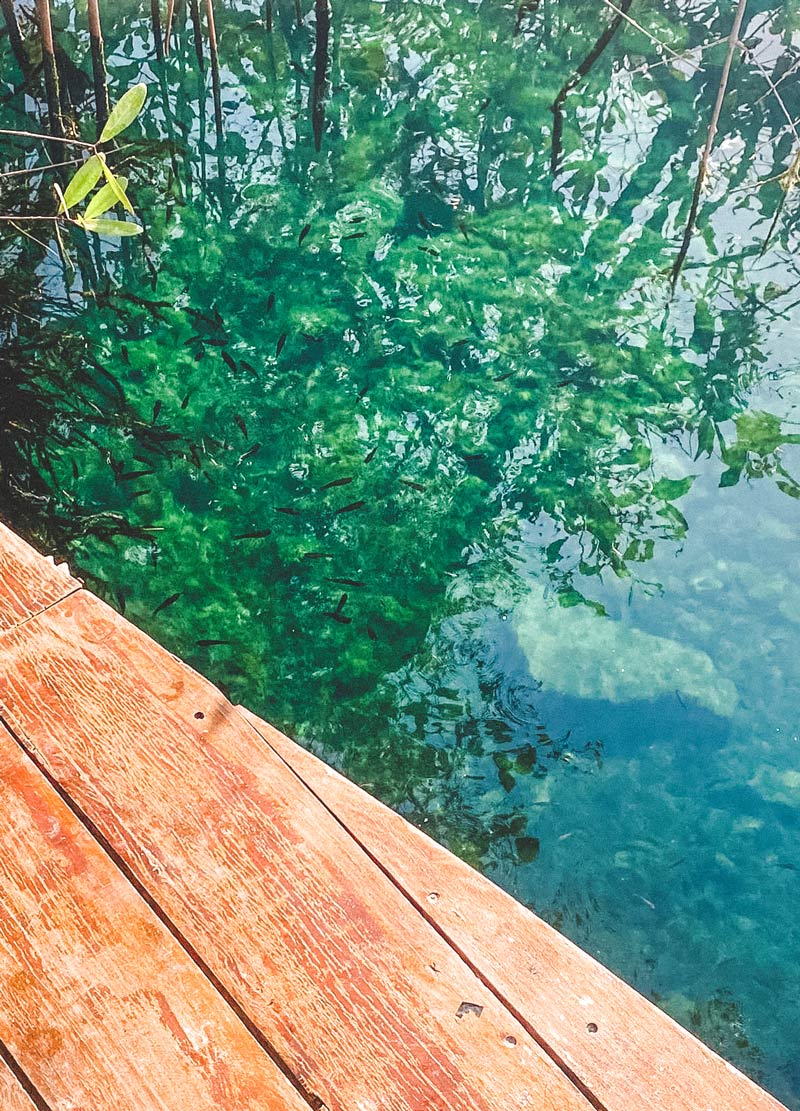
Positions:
(562, 504)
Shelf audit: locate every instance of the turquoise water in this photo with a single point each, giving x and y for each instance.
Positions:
(526, 551)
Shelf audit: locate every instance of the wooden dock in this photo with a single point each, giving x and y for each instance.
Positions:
(197, 914)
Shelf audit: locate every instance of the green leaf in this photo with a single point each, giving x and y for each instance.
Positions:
(112, 227)
(103, 199)
(116, 188)
(83, 181)
(124, 112)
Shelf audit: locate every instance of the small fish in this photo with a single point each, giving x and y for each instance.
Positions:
(75, 471)
(241, 425)
(191, 340)
(270, 302)
(502, 377)
(413, 485)
(139, 494)
(194, 455)
(247, 366)
(363, 392)
(371, 633)
(218, 318)
(370, 455)
(431, 251)
(211, 643)
(250, 451)
(280, 343)
(340, 617)
(564, 382)
(354, 235)
(156, 411)
(423, 221)
(128, 476)
(229, 361)
(125, 356)
(201, 354)
(303, 234)
(141, 459)
(336, 482)
(185, 401)
(219, 342)
(472, 458)
(357, 219)
(349, 508)
(288, 510)
(341, 604)
(346, 582)
(173, 598)
(316, 555)
(121, 602)
(258, 534)
(485, 104)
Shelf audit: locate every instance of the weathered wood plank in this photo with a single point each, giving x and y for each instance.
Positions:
(13, 1096)
(99, 1004)
(636, 1057)
(354, 989)
(29, 582)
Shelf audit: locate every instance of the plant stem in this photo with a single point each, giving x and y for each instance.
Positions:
(101, 106)
(50, 68)
(733, 42)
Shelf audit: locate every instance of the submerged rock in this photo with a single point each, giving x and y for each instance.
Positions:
(577, 652)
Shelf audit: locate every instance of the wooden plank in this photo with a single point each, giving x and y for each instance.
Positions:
(362, 997)
(631, 1056)
(13, 1096)
(99, 1004)
(29, 582)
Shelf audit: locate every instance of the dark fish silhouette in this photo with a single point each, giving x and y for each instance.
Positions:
(370, 455)
(349, 508)
(211, 643)
(173, 598)
(346, 582)
(413, 485)
(280, 343)
(230, 361)
(258, 534)
(250, 451)
(247, 366)
(336, 482)
(303, 234)
(241, 425)
(185, 401)
(336, 616)
(270, 302)
(288, 510)
(371, 633)
(156, 411)
(354, 235)
(128, 476)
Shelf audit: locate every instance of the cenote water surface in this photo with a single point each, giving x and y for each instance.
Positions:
(531, 567)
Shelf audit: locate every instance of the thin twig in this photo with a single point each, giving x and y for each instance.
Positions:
(48, 138)
(41, 169)
(656, 41)
(702, 172)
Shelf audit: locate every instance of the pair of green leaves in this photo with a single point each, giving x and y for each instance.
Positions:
(88, 175)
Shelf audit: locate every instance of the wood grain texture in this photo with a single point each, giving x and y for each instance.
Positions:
(99, 1005)
(29, 582)
(636, 1058)
(13, 1097)
(356, 992)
